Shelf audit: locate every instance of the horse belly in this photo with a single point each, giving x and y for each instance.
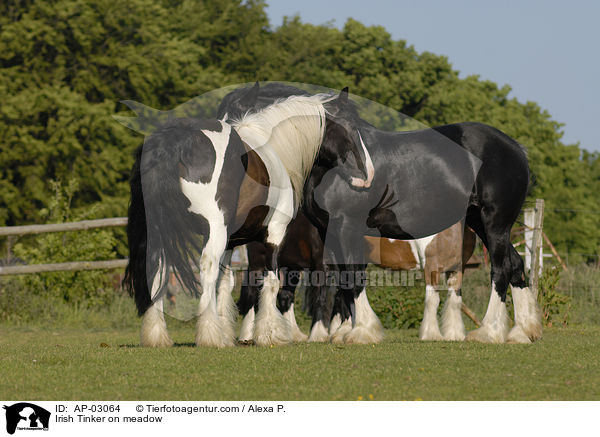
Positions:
(391, 254)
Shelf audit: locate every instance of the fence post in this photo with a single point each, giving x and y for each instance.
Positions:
(536, 246)
(529, 221)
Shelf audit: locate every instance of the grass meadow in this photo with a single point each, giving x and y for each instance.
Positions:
(42, 364)
(76, 353)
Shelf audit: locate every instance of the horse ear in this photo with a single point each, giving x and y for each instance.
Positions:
(343, 98)
(249, 99)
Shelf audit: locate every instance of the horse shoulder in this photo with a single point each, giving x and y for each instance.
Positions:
(254, 191)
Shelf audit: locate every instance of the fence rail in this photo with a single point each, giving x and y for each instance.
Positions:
(11, 231)
(63, 267)
(61, 227)
(82, 225)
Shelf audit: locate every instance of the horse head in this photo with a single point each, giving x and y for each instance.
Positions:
(342, 149)
(344, 143)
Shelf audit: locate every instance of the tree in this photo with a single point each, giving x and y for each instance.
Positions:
(66, 64)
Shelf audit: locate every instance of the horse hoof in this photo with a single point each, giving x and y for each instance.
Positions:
(453, 328)
(245, 342)
(430, 334)
(271, 340)
(213, 341)
(533, 329)
(154, 330)
(318, 333)
(338, 336)
(160, 340)
(517, 335)
(454, 336)
(298, 336)
(363, 335)
(486, 335)
(210, 332)
(272, 331)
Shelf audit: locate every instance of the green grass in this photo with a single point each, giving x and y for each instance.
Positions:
(52, 350)
(51, 364)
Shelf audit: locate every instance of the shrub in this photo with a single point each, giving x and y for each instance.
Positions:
(398, 307)
(555, 306)
(87, 288)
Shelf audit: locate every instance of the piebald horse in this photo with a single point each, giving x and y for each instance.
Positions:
(423, 182)
(201, 187)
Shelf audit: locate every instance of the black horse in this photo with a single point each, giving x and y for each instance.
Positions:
(301, 251)
(424, 181)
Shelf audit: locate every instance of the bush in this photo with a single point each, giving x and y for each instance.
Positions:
(82, 288)
(398, 307)
(555, 306)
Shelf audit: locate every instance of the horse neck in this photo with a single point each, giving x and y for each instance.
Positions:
(294, 129)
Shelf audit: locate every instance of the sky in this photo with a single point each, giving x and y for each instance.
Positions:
(546, 51)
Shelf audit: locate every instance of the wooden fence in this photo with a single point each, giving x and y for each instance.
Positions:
(83, 225)
(532, 230)
(534, 241)
(533, 245)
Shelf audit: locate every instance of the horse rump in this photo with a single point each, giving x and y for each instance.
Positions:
(161, 232)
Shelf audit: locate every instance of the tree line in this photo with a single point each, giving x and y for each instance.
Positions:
(66, 64)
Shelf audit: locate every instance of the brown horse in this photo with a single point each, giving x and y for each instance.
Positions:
(445, 253)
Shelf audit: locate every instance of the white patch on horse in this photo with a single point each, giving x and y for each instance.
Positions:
(280, 198)
(364, 183)
(154, 329)
(247, 329)
(340, 333)
(418, 248)
(318, 333)
(367, 327)
(297, 335)
(453, 328)
(528, 317)
(336, 321)
(203, 196)
(494, 328)
(430, 329)
(270, 328)
(226, 308)
(203, 201)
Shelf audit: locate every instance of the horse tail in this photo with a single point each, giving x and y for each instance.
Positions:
(161, 232)
(135, 280)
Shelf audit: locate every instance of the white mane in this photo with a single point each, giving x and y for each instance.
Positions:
(293, 128)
